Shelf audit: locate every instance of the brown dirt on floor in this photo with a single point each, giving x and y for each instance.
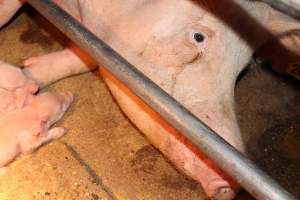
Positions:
(269, 114)
(103, 156)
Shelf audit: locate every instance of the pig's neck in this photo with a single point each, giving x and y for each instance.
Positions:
(245, 30)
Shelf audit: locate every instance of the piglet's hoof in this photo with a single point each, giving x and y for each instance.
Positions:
(3, 170)
(56, 132)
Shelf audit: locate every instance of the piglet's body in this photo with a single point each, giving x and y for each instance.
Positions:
(12, 78)
(13, 100)
(15, 88)
(23, 130)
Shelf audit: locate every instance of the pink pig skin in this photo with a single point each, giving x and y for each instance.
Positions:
(8, 8)
(24, 130)
(12, 100)
(15, 88)
(12, 78)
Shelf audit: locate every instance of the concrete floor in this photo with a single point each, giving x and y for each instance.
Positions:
(103, 156)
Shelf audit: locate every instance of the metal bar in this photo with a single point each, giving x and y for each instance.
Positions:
(284, 7)
(244, 171)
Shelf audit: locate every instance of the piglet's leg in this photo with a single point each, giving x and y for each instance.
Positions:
(52, 67)
(53, 134)
(45, 137)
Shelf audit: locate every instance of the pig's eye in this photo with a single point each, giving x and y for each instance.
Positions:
(198, 37)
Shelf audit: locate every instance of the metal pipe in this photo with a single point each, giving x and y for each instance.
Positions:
(284, 7)
(244, 171)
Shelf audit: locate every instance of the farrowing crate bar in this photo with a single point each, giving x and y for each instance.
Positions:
(243, 170)
(284, 8)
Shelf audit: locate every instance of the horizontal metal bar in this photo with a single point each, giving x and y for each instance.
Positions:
(244, 171)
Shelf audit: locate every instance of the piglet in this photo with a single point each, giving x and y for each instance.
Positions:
(23, 130)
(15, 88)
(13, 100)
(13, 78)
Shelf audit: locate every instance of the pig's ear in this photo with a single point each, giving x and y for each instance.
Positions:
(23, 99)
(40, 127)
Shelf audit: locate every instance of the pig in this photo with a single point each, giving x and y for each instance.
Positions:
(25, 129)
(10, 101)
(15, 88)
(290, 65)
(13, 78)
(192, 49)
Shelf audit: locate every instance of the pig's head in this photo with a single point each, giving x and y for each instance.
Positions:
(194, 51)
(34, 121)
(51, 107)
(12, 78)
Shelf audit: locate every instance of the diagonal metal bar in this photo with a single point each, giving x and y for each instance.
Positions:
(243, 170)
(284, 7)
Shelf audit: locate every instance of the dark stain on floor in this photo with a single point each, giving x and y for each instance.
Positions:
(144, 162)
(145, 159)
(95, 196)
(40, 36)
(41, 31)
(277, 151)
(268, 107)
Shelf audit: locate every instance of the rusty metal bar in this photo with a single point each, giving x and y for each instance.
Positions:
(243, 170)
